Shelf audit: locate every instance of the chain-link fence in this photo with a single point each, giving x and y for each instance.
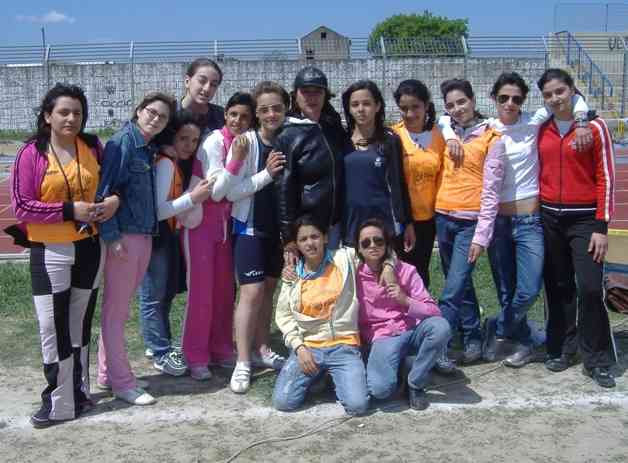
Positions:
(116, 75)
(591, 17)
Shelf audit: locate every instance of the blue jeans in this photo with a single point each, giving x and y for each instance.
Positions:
(346, 368)
(155, 298)
(458, 302)
(426, 341)
(516, 255)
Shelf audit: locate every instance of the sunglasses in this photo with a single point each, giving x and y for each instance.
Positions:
(516, 99)
(377, 241)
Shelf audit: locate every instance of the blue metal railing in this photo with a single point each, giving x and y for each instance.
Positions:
(599, 85)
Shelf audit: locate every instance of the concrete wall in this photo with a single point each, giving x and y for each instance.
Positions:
(114, 89)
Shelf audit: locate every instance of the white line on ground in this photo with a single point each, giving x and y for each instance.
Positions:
(156, 414)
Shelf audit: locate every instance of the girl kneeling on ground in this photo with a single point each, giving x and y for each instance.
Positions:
(318, 316)
(396, 319)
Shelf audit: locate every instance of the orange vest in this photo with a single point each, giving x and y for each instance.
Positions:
(54, 189)
(421, 168)
(318, 298)
(176, 187)
(460, 189)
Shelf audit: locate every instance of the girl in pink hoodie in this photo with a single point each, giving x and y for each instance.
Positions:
(395, 320)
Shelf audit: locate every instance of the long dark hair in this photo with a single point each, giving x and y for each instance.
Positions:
(182, 118)
(377, 223)
(417, 89)
(380, 117)
(41, 137)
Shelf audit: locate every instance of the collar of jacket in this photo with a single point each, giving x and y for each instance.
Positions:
(135, 134)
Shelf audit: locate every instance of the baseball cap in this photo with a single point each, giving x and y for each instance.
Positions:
(310, 76)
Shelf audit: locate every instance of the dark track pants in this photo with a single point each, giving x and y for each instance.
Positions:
(577, 318)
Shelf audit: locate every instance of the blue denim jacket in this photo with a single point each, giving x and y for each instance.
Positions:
(128, 169)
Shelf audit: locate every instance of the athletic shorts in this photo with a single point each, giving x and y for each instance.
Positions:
(256, 258)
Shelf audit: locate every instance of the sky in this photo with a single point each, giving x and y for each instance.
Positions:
(80, 21)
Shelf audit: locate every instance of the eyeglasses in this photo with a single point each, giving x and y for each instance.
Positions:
(276, 108)
(156, 115)
(376, 241)
(516, 99)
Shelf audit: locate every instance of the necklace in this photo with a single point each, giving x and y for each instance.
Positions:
(65, 177)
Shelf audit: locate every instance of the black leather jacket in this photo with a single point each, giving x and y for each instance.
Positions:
(312, 180)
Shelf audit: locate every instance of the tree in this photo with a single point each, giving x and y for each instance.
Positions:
(428, 34)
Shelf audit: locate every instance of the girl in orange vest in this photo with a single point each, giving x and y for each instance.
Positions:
(423, 148)
(466, 206)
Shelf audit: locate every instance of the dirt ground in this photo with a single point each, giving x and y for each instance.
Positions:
(492, 414)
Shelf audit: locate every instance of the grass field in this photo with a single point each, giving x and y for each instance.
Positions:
(19, 331)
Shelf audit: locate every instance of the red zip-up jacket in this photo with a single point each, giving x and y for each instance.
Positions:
(575, 182)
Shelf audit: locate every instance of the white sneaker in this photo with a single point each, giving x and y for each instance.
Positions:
(137, 396)
(267, 359)
(200, 373)
(241, 378)
(141, 383)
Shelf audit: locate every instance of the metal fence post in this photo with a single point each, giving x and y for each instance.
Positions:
(465, 50)
(382, 44)
(132, 71)
(47, 68)
(624, 82)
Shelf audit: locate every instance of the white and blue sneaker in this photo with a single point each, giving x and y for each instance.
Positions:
(267, 359)
(171, 363)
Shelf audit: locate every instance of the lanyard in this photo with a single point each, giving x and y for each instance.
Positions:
(65, 177)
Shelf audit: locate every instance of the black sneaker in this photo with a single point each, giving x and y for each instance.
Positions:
(489, 347)
(417, 399)
(558, 364)
(601, 375)
(522, 356)
(41, 419)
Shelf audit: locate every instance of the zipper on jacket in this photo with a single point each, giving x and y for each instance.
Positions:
(390, 195)
(560, 168)
(333, 176)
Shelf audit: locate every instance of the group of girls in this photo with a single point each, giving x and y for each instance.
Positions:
(187, 194)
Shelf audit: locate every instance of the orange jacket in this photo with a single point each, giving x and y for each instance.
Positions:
(421, 169)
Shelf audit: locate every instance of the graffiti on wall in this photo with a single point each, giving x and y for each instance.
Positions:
(113, 104)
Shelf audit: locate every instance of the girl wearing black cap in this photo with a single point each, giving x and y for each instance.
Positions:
(314, 143)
